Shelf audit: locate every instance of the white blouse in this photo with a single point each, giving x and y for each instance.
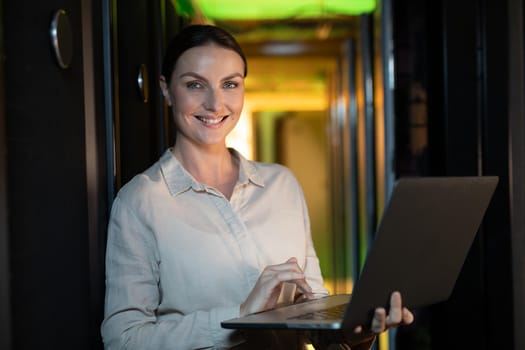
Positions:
(181, 258)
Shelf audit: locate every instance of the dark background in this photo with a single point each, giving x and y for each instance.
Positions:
(70, 137)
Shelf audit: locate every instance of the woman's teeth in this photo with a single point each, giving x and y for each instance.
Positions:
(211, 121)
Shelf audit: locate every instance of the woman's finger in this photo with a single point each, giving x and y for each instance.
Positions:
(304, 287)
(408, 317)
(378, 321)
(266, 292)
(286, 274)
(395, 313)
(290, 264)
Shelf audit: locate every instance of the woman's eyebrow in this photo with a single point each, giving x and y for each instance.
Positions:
(234, 75)
(198, 76)
(191, 74)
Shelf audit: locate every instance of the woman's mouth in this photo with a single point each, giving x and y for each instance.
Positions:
(211, 121)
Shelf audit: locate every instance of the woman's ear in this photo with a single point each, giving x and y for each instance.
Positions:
(165, 90)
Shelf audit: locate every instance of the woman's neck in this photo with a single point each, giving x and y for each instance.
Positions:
(213, 166)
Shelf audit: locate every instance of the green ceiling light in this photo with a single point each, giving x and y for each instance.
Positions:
(276, 9)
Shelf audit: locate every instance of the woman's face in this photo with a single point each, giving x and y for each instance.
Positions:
(206, 93)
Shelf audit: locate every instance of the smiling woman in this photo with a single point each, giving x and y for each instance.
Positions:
(205, 235)
(206, 92)
(205, 218)
(275, 9)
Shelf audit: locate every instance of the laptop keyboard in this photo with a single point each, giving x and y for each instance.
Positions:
(332, 313)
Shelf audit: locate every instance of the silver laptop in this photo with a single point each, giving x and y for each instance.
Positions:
(420, 246)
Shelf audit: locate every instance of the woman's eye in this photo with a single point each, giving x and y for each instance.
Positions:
(230, 85)
(194, 85)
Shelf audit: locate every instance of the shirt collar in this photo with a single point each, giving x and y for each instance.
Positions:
(179, 180)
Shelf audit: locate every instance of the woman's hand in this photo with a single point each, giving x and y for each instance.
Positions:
(397, 316)
(359, 340)
(265, 293)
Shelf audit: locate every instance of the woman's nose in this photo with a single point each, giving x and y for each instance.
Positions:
(214, 100)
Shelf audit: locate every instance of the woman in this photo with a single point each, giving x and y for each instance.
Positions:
(205, 235)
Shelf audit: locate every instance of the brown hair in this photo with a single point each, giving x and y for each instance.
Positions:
(198, 35)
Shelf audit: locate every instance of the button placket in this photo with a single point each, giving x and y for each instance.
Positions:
(238, 230)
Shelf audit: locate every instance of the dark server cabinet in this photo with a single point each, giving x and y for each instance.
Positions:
(70, 136)
(46, 180)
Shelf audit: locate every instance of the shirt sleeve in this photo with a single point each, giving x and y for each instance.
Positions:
(133, 295)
